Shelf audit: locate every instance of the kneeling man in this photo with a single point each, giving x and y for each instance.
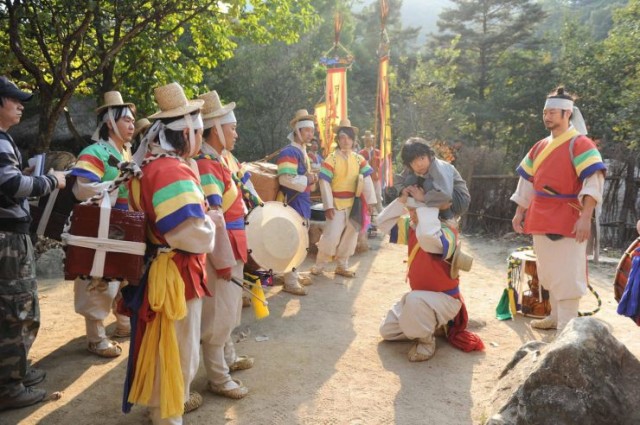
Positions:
(434, 262)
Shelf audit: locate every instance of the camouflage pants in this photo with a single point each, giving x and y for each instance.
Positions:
(19, 309)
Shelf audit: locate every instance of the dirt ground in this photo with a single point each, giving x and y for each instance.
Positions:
(324, 361)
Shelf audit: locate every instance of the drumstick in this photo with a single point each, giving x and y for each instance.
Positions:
(237, 282)
(550, 190)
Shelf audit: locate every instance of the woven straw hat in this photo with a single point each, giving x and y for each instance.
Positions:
(140, 126)
(114, 98)
(277, 236)
(460, 261)
(367, 134)
(212, 107)
(173, 102)
(301, 115)
(344, 123)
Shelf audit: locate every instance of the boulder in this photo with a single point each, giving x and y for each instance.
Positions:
(585, 376)
(82, 111)
(50, 264)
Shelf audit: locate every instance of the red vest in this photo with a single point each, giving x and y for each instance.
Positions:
(428, 272)
(554, 214)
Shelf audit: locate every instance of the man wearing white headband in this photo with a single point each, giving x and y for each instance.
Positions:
(179, 235)
(94, 173)
(222, 312)
(560, 187)
(296, 178)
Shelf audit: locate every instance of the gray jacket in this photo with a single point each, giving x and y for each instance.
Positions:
(15, 188)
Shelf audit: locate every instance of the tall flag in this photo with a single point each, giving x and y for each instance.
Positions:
(328, 114)
(336, 102)
(321, 117)
(383, 108)
(383, 124)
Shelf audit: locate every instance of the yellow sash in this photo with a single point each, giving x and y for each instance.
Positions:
(159, 350)
(553, 145)
(412, 256)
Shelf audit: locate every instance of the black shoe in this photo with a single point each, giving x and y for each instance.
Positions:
(33, 376)
(27, 397)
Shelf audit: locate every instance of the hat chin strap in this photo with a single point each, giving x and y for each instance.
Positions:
(220, 134)
(108, 117)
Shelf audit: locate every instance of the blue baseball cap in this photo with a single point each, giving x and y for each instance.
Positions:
(9, 89)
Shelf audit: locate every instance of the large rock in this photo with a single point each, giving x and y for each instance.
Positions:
(585, 376)
(82, 111)
(50, 264)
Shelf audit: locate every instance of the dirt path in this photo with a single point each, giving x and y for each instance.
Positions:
(323, 362)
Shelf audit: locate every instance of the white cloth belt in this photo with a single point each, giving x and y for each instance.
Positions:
(46, 213)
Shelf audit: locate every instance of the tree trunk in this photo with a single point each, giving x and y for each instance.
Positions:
(46, 123)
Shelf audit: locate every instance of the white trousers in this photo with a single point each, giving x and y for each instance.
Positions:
(339, 238)
(94, 301)
(377, 187)
(418, 314)
(220, 315)
(188, 334)
(561, 266)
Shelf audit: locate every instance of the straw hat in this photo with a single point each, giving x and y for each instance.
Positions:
(301, 115)
(367, 134)
(173, 102)
(140, 126)
(113, 98)
(277, 236)
(344, 123)
(460, 261)
(212, 107)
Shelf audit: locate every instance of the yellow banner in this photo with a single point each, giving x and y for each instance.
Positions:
(321, 117)
(336, 103)
(383, 124)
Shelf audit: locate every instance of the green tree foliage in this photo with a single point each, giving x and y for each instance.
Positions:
(595, 15)
(363, 80)
(269, 82)
(485, 31)
(65, 47)
(623, 58)
(426, 105)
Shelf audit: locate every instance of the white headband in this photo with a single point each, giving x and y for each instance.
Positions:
(304, 124)
(297, 127)
(157, 130)
(577, 120)
(108, 117)
(556, 103)
(218, 122)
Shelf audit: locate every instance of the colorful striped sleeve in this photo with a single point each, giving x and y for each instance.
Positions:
(287, 162)
(211, 181)
(90, 167)
(212, 188)
(176, 202)
(326, 171)
(365, 168)
(448, 239)
(525, 169)
(586, 158)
